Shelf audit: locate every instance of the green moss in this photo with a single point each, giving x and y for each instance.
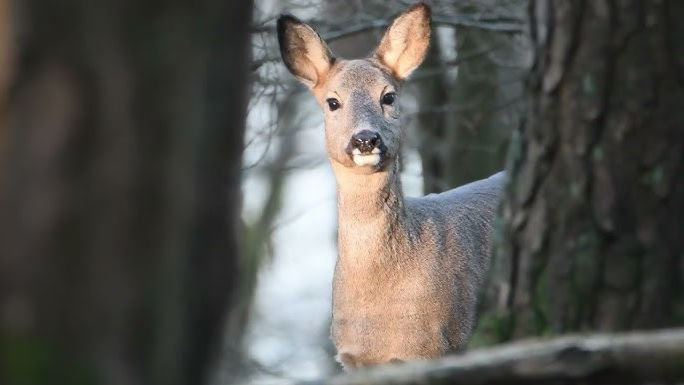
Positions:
(657, 175)
(27, 360)
(574, 190)
(482, 337)
(499, 231)
(540, 306)
(654, 176)
(585, 259)
(492, 329)
(515, 148)
(584, 275)
(588, 84)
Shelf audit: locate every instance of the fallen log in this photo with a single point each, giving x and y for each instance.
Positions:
(655, 357)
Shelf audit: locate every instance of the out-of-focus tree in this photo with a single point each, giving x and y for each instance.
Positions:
(119, 197)
(593, 218)
(6, 67)
(470, 102)
(257, 235)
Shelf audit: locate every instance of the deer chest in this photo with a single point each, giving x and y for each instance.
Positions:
(385, 319)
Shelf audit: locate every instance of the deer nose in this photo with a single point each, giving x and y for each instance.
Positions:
(365, 141)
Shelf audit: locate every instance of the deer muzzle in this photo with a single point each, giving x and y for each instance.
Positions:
(366, 148)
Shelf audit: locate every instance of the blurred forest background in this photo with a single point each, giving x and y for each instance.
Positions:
(167, 213)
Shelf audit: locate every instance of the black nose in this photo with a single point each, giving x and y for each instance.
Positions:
(365, 141)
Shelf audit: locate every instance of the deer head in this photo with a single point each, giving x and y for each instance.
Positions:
(359, 97)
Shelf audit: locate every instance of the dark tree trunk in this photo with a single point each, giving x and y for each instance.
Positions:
(119, 195)
(6, 67)
(594, 216)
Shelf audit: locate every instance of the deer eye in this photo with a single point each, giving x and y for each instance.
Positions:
(333, 103)
(389, 98)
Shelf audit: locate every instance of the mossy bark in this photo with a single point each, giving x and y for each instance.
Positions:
(591, 237)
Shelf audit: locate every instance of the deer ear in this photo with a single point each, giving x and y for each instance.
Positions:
(304, 52)
(406, 41)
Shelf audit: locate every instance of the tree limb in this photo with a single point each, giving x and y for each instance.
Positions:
(488, 25)
(506, 25)
(634, 358)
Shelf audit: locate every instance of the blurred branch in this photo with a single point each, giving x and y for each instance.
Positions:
(503, 24)
(634, 358)
(476, 104)
(258, 234)
(433, 71)
(421, 73)
(497, 25)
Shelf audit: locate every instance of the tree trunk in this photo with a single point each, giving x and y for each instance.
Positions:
(119, 195)
(594, 215)
(6, 69)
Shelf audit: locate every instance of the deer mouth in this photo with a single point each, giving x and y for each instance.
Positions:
(372, 158)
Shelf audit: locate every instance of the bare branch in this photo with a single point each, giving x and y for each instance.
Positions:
(504, 25)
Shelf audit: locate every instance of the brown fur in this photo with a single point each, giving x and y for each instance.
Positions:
(408, 272)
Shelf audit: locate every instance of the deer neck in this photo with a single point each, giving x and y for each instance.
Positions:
(370, 214)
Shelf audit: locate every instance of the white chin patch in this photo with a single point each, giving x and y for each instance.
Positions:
(366, 160)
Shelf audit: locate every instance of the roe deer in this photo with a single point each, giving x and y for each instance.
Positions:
(409, 269)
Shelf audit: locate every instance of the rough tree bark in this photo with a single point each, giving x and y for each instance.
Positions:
(593, 218)
(120, 189)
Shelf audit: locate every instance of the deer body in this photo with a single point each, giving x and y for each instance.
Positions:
(409, 269)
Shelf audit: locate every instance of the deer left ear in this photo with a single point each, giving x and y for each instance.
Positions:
(304, 52)
(406, 41)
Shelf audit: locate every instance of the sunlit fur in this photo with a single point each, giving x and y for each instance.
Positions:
(408, 272)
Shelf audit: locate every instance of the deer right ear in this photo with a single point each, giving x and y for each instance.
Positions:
(406, 41)
(304, 52)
